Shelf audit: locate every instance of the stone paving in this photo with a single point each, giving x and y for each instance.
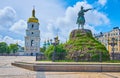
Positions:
(8, 71)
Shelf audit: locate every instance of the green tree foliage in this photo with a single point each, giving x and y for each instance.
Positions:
(59, 49)
(13, 48)
(4, 47)
(42, 49)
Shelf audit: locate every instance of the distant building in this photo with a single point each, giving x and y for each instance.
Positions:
(20, 50)
(106, 39)
(32, 38)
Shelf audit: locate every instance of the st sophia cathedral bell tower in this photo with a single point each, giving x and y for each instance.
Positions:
(32, 38)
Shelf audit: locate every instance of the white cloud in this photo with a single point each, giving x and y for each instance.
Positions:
(43, 13)
(10, 40)
(96, 18)
(67, 23)
(102, 2)
(7, 17)
(58, 20)
(19, 27)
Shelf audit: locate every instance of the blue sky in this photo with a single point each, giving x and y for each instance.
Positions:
(111, 8)
(56, 17)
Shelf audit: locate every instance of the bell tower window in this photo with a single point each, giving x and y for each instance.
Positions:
(32, 42)
(32, 25)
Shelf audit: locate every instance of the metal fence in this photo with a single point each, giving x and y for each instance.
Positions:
(6, 54)
(73, 57)
(116, 56)
(40, 57)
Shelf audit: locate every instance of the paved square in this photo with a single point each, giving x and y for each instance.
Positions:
(8, 71)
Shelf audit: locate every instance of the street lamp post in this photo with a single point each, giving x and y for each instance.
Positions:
(44, 45)
(113, 43)
(55, 43)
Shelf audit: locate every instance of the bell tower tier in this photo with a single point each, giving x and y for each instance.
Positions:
(32, 38)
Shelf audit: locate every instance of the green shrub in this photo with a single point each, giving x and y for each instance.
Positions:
(60, 52)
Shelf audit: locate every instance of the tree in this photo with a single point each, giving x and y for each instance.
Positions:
(4, 47)
(60, 52)
(42, 49)
(13, 48)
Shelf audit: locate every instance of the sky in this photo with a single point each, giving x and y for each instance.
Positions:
(56, 17)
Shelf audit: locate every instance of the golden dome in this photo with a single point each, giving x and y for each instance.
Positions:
(33, 18)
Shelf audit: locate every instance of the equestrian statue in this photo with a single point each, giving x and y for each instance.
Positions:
(81, 18)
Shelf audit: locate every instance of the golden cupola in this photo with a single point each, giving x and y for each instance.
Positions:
(33, 18)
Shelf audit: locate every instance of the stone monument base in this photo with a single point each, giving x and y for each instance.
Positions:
(80, 31)
(69, 67)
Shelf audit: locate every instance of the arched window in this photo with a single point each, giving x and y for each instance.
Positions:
(32, 42)
(32, 25)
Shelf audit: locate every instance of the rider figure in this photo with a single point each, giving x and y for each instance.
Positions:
(81, 19)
